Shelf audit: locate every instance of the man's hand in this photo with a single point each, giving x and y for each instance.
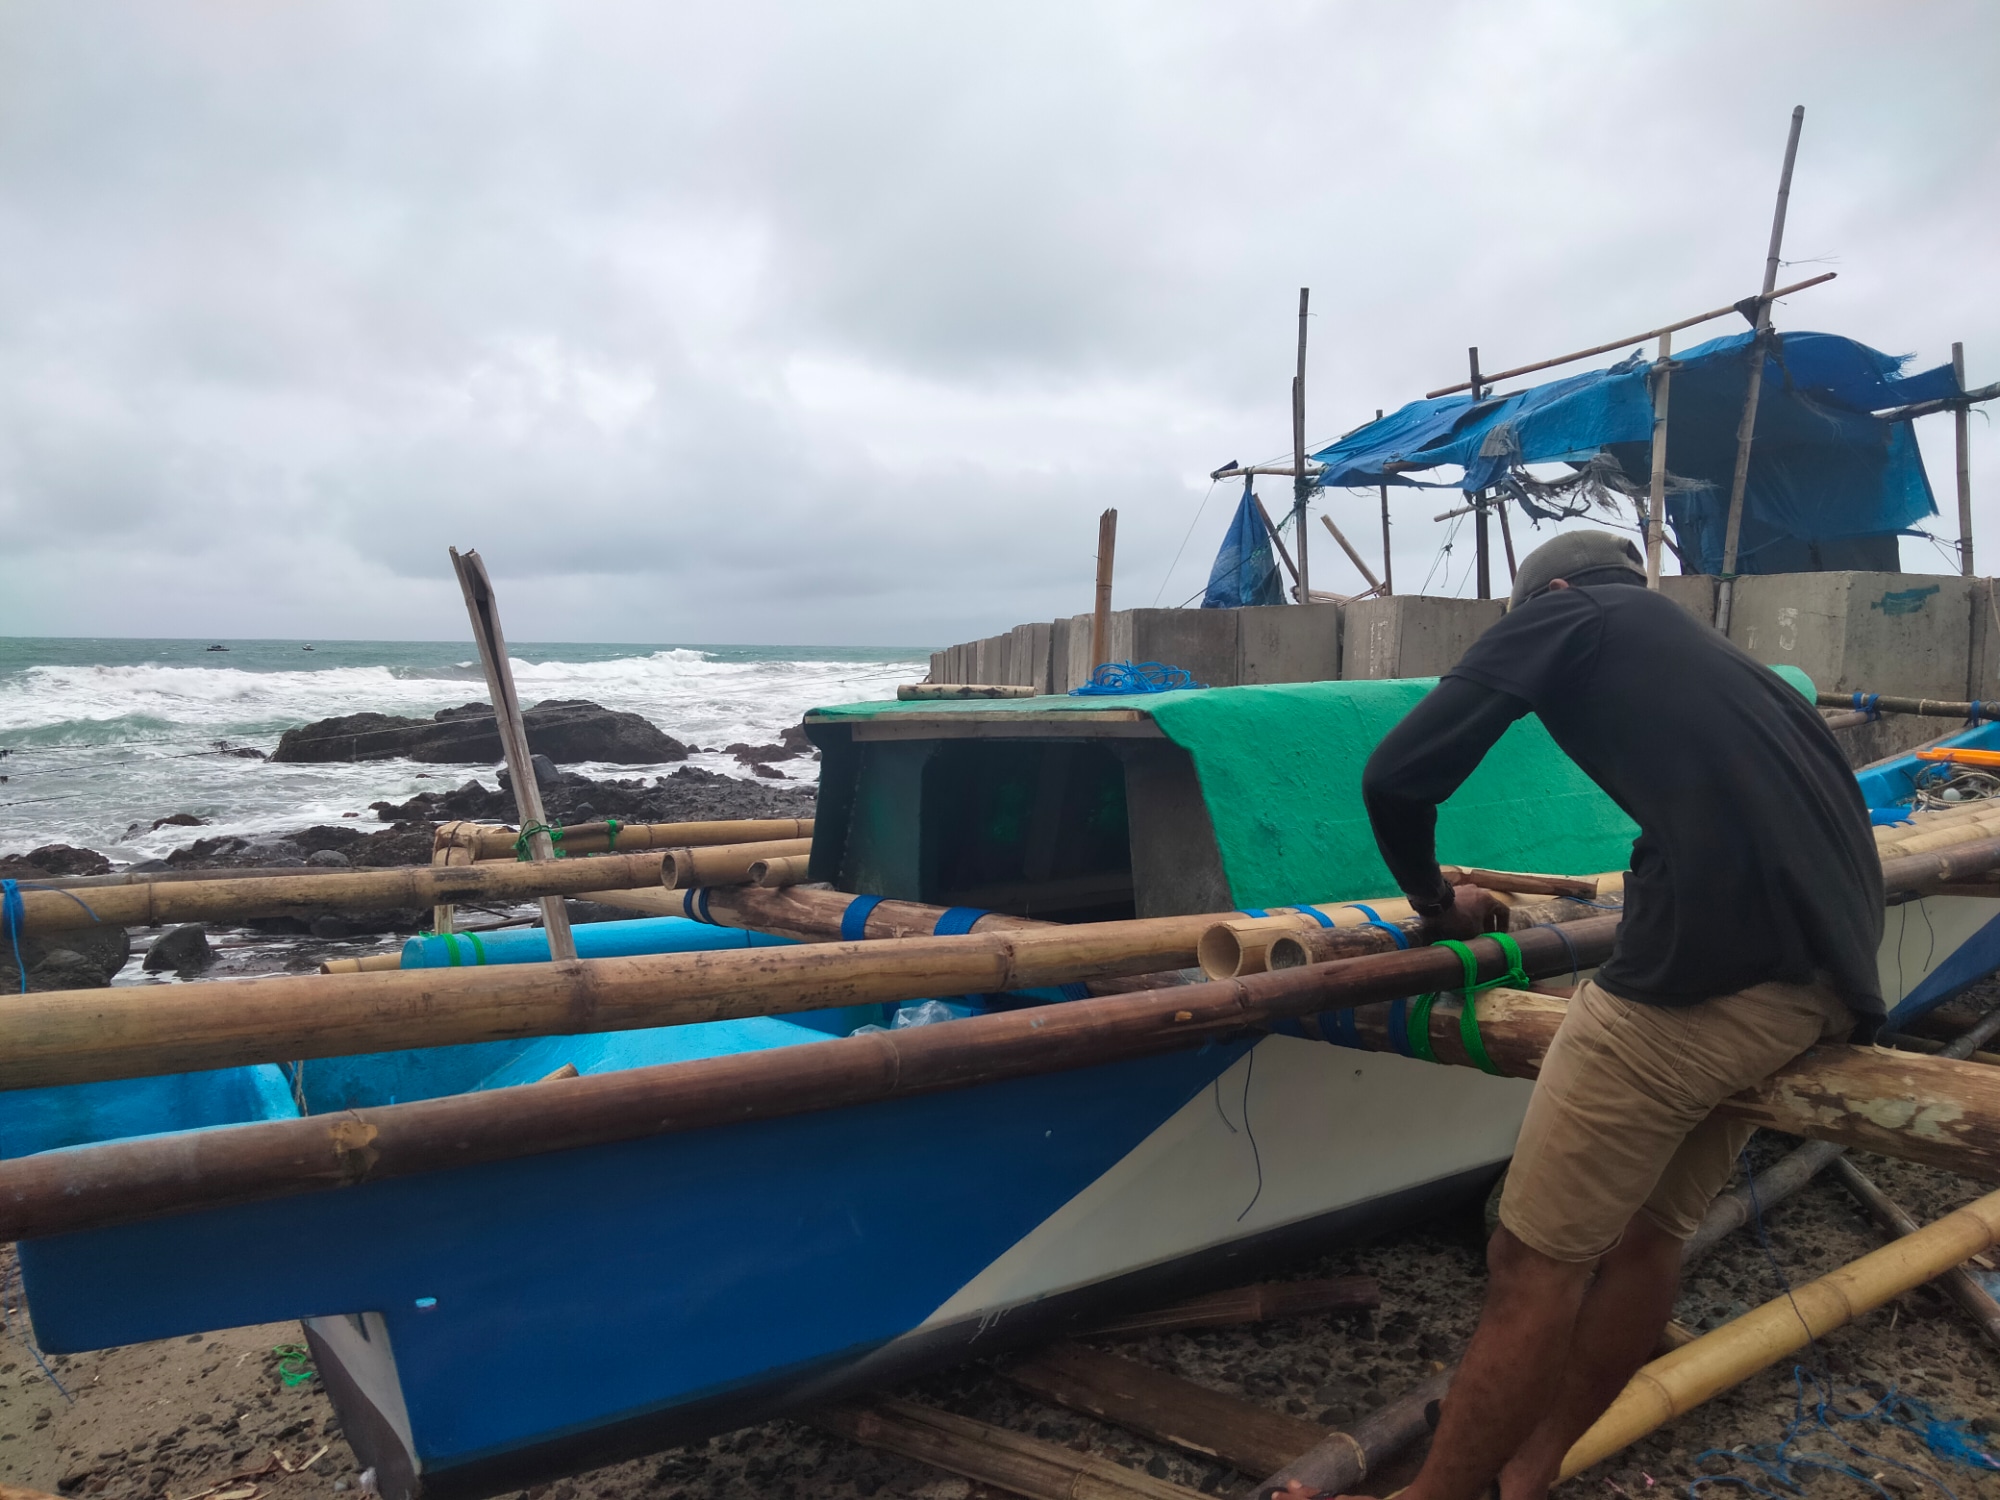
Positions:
(1473, 910)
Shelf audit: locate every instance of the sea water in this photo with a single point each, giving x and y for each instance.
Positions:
(100, 738)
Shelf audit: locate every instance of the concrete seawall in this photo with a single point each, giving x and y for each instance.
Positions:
(1920, 634)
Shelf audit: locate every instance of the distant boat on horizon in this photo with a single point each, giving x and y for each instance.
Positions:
(218, 648)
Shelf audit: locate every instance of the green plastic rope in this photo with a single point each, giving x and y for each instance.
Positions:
(522, 849)
(451, 948)
(610, 835)
(1516, 977)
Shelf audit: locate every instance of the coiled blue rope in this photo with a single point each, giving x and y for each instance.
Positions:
(1116, 677)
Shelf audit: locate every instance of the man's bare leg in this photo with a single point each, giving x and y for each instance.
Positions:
(1512, 1371)
(1616, 1331)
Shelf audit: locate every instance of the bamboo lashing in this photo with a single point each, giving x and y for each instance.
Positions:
(1637, 338)
(725, 864)
(140, 1177)
(1680, 1381)
(153, 903)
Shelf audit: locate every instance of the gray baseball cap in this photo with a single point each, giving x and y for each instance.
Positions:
(1570, 555)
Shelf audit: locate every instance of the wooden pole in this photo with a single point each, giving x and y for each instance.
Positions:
(1506, 537)
(1680, 1381)
(139, 1177)
(307, 894)
(1656, 493)
(1301, 481)
(1636, 338)
(1956, 1283)
(1100, 623)
(1960, 421)
(630, 838)
(1277, 538)
(1746, 427)
(1481, 544)
(484, 609)
(1388, 563)
(1352, 556)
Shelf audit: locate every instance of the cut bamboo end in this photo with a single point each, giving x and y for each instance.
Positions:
(370, 964)
(725, 864)
(1678, 1382)
(786, 870)
(1230, 949)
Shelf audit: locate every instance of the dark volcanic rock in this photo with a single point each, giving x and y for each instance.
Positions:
(562, 729)
(688, 794)
(183, 949)
(83, 958)
(548, 775)
(53, 860)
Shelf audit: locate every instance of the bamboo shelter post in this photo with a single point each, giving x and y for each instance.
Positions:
(1100, 622)
(1301, 482)
(1388, 563)
(1481, 544)
(1506, 538)
(1353, 556)
(1759, 344)
(1656, 492)
(484, 609)
(1959, 422)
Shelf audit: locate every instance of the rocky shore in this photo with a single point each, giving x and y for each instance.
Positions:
(564, 730)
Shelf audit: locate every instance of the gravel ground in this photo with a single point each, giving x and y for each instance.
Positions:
(182, 1417)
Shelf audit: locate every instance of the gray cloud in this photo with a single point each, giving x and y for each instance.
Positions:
(840, 324)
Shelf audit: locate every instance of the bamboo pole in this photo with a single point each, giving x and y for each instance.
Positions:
(1930, 708)
(990, 1455)
(788, 869)
(1388, 562)
(1100, 622)
(139, 1177)
(1656, 491)
(631, 838)
(1747, 425)
(1353, 556)
(1957, 1283)
(372, 963)
(484, 609)
(454, 843)
(303, 894)
(1346, 1456)
(1301, 481)
(1680, 1381)
(815, 916)
(1277, 538)
(725, 864)
(1250, 1304)
(1959, 422)
(1506, 538)
(1662, 331)
(1483, 546)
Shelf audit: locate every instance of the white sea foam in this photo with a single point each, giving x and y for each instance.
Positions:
(97, 747)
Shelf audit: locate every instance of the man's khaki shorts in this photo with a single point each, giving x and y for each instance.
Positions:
(1622, 1117)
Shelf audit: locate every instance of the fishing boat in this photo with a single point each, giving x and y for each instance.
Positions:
(485, 1327)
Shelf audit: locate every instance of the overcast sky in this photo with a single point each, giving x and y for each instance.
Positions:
(840, 322)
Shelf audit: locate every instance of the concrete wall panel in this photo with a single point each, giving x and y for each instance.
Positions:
(1409, 635)
(1204, 641)
(1288, 643)
(1693, 592)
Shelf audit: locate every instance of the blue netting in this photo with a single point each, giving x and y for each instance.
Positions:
(1116, 677)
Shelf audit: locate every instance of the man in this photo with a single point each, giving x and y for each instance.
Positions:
(1753, 910)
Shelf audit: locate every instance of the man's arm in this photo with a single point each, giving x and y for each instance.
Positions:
(1422, 761)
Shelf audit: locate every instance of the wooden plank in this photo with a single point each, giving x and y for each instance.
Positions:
(1253, 1304)
(992, 1455)
(1165, 1408)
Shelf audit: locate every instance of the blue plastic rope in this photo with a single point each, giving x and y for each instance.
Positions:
(1316, 914)
(1116, 677)
(957, 921)
(1374, 920)
(1865, 703)
(1253, 911)
(13, 915)
(854, 921)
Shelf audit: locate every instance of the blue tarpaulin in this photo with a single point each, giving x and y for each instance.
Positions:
(1825, 472)
(1245, 570)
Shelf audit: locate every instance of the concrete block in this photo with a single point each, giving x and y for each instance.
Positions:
(1409, 635)
(1059, 666)
(1028, 656)
(1080, 664)
(1983, 674)
(1288, 643)
(1903, 633)
(990, 660)
(1693, 592)
(1204, 641)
